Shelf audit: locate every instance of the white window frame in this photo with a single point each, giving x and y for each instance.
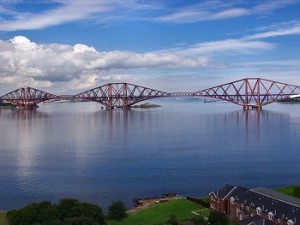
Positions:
(258, 210)
(270, 216)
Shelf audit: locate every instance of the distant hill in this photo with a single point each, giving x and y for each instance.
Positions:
(290, 100)
(6, 105)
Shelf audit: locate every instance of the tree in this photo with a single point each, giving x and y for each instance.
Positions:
(72, 208)
(117, 210)
(68, 208)
(33, 213)
(79, 221)
(67, 212)
(216, 218)
(296, 191)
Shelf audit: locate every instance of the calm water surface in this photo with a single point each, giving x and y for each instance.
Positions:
(188, 147)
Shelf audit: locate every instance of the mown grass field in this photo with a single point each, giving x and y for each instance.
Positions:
(3, 219)
(160, 213)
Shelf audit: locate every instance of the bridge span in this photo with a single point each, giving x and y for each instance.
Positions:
(248, 92)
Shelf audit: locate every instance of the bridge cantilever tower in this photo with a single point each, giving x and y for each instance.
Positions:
(251, 92)
(248, 92)
(120, 95)
(27, 97)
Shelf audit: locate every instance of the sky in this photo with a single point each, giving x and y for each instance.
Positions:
(69, 46)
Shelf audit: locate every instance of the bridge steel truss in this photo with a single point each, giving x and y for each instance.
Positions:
(248, 93)
(251, 92)
(27, 97)
(120, 95)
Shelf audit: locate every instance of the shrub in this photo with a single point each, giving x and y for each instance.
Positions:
(216, 218)
(117, 210)
(296, 191)
(67, 212)
(199, 220)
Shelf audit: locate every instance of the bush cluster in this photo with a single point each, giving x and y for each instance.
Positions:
(216, 218)
(117, 211)
(296, 192)
(67, 212)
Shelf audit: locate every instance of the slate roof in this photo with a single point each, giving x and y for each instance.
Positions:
(255, 220)
(277, 195)
(280, 209)
(223, 192)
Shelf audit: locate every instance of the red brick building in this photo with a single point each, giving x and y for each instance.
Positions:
(259, 206)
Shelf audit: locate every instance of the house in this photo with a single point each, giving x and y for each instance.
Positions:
(255, 220)
(256, 206)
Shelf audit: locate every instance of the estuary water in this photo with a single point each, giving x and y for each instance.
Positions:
(186, 146)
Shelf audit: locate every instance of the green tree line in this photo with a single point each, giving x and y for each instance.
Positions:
(66, 212)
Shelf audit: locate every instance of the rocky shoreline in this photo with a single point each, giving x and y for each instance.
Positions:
(143, 203)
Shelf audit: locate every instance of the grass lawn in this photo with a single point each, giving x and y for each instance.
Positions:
(160, 213)
(287, 190)
(3, 218)
(205, 213)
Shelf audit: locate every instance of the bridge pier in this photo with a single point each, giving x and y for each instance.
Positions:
(27, 106)
(126, 107)
(121, 107)
(252, 107)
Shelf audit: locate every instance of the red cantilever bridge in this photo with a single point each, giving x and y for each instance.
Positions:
(248, 93)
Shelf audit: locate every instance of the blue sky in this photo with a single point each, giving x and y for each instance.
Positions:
(172, 45)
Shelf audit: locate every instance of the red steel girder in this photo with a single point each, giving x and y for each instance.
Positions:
(251, 92)
(27, 97)
(181, 94)
(248, 92)
(120, 95)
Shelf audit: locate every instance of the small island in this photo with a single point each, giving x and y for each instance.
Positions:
(145, 106)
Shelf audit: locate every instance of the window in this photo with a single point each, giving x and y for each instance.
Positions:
(258, 210)
(231, 200)
(290, 222)
(270, 215)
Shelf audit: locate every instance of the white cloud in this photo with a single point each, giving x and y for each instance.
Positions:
(269, 6)
(84, 82)
(23, 43)
(204, 11)
(195, 15)
(81, 67)
(83, 48)
(67, 11)
(220, 10)
(277, 32)
(28, 63)
(229, 46)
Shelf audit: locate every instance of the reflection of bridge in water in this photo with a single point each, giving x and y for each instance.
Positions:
(248, 93)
